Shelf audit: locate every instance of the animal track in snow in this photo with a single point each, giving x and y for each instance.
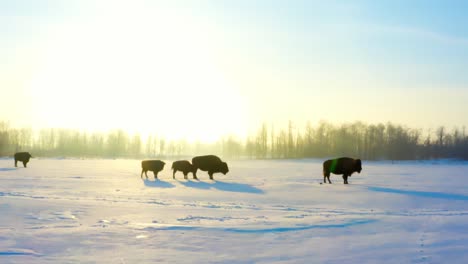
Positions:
(191, 218)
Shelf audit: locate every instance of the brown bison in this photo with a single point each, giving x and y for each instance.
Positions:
(182, 165)
(22, 156)
(152, 165)
(344, 166)
(210, 163)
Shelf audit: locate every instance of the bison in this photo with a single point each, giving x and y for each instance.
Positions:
(344, 166)
(210, 163)
(182, 165)
(22, 156)
(152, 165)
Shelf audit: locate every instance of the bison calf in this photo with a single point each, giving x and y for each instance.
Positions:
(344, 166)
(152, 165)
(182, 165)
(210, 163)
(22, 156)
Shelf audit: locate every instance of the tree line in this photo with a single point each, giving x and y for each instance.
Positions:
(366, 141)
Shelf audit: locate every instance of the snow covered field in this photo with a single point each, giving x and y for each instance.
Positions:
(274, 211)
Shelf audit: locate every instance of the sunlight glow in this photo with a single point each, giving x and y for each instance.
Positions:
(147, 74)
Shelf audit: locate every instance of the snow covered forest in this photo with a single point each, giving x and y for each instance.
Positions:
(367, 141)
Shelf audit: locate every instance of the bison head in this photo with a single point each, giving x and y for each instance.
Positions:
(358, 166)
(223, 167)
(27, 156)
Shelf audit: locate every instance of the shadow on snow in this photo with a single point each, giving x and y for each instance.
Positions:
(265, 230)
(448, 196)
(7, 169)
(223, 186)
(19, 252)
(158, 184)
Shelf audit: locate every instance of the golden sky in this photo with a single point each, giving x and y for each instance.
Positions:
(201, 70)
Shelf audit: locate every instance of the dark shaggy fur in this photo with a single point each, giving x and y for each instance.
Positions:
(210, 163)
(152, 165)
(344, 166)
(182, 165)
(22, 156)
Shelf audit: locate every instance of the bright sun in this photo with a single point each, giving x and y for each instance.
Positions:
(145, 74)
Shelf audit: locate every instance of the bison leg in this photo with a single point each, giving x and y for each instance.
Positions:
(142, 173)
(211, 175)
(173, 174)
(195, 174)
(155, 174)
(16, 163)
(25, 164)
(345, 178)
(185, 175)
(326, 175)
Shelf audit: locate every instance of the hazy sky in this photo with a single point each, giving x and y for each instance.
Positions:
(199, 69)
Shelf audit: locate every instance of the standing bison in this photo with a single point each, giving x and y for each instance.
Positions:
(152, 165)
(184, 166)
(344, 166)
(210, 163)
(22, 156)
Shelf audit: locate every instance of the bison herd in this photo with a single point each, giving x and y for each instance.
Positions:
(210, 163)
(213, 164)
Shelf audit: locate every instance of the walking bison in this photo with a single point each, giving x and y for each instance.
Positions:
(210, 163)
(152, 165)
(184, 166)
(344, 166)
(22, 156)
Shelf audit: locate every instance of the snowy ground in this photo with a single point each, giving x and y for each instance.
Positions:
(100, 211)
